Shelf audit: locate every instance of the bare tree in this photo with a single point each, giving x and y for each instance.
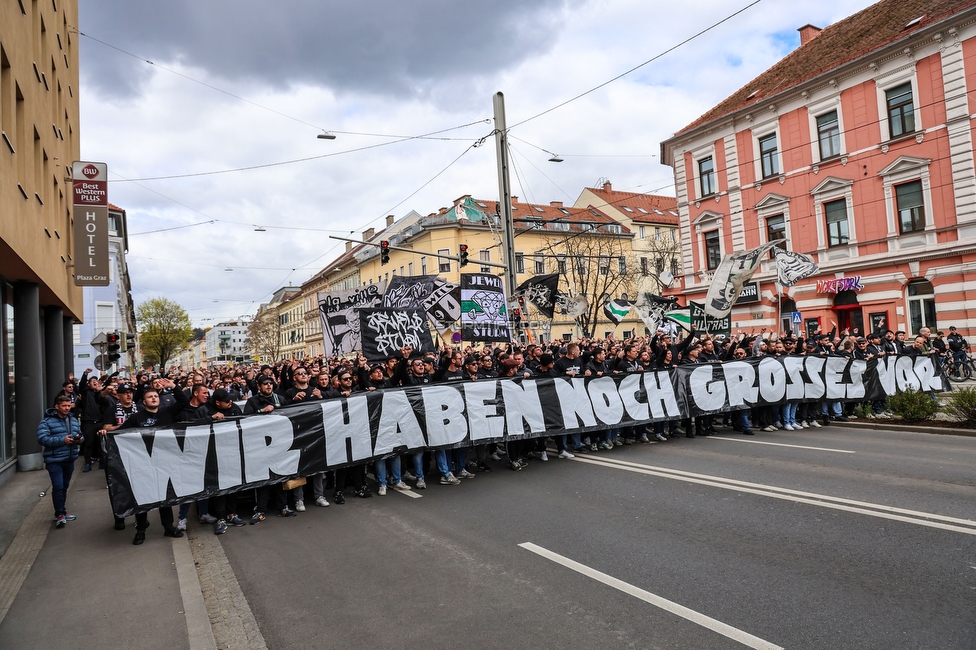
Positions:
(264, 334)
(656, 255)
(597, 265)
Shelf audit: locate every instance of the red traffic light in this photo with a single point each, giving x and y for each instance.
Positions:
(384, 252)
(112, 338)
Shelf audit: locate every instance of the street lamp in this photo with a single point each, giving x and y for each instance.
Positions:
(326, 135)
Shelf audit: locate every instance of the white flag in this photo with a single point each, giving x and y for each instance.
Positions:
(734, 271)
(792, 267)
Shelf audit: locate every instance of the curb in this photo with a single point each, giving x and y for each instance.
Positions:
(912, 428)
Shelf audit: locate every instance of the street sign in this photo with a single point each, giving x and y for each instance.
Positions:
(90, 210)
(796, 319)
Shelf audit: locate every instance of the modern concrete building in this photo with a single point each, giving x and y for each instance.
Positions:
(856, 149)
(39, 141)
(226, 343)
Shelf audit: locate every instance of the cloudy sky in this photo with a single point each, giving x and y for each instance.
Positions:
(207, 115)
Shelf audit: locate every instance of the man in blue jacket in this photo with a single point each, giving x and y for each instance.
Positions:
(60, 435)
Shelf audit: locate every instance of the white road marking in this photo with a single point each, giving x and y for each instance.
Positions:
(410, 493)
(780, 444)
(698, 618)
(825, 501)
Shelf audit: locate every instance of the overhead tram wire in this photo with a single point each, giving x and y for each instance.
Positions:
(637, 67)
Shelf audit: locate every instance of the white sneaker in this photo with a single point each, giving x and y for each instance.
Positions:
(465, 474)
(788, 427)
(208, 519)
(403, 487)
(543, 456)
(450, 480)
(565, 454)
(421, 484)
(181, 524)
(771, 427)
(815, 424)
(408, 476)
(299, 505)
(804, 425)
(495, 457)
(322, 502)
(381, 491)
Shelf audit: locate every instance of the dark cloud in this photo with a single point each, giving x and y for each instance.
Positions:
(386, 47)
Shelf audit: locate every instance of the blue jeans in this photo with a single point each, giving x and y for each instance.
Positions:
(418, 465)
(789, 413)
(444, 466)
(60, 478)
(202, 508)
(833, 408)
(381, 475)
(742, 418)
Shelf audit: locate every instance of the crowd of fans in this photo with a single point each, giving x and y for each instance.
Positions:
(95, 406)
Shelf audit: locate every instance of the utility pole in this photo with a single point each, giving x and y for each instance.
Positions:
(505, 198)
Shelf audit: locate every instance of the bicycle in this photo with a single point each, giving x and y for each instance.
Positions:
(958, 371)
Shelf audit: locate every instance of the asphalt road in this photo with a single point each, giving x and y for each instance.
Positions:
(830, 538)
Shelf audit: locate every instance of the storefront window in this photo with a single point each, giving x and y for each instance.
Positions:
(8, 446)
(921, 306)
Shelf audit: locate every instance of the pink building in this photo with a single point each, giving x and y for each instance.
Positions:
(857, 149)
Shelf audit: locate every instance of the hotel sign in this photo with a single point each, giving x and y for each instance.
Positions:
(90, 200)
(837, 285)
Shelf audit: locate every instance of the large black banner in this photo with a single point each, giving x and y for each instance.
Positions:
(152, 467)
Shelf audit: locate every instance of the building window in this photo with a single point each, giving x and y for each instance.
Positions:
(674, 266)
(713, 250)
(901, 110)
(423, 268)
(539, 264)
(520, 262)
(409, 268)
(706, 176)
(485, 256)
(604, 265)
(645, 266)
(561, 264)
(581, 267)
(828, 131)
(911, 209)
(443, 265)
(768, 154)
(622, 265)
(921, 305)
(836, 213)
(776, 229)
(643, 232)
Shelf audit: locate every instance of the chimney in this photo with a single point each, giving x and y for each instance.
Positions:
(442, 210)
(368, 234)
(556, 204)
(808, 33)
(607, 187)
(514, 200)
(348, 246)
(389, 220)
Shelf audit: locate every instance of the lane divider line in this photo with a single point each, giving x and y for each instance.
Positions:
(780, 444)
(697, 618)
(825, 503)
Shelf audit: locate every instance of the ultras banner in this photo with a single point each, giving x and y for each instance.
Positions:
(152, 467)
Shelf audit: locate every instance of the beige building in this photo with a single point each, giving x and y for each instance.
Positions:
(39, 140)
(591, 251)
(654, 221)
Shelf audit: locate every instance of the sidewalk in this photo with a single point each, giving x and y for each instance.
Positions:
(88, 587)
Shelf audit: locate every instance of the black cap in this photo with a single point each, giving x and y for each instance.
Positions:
(221, 395)
(861, 339)
(545, 359)
(472, 359)
(874, 335)
(266, 380)
(124, 388)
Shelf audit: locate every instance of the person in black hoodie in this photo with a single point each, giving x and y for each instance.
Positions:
(90, 408)
(152, 415)
(266, 401)
(223, 507)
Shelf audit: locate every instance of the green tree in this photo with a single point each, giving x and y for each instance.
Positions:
(164, 329)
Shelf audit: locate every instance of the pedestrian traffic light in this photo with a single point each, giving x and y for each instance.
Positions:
(112, 348)
(384, 252)
(462, 255)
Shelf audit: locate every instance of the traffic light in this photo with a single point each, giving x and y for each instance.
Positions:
(112, 348)
(462, 255)
(384, 252)
(128, 341)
